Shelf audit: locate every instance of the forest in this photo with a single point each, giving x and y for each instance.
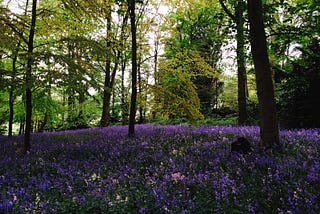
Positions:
(132, 106)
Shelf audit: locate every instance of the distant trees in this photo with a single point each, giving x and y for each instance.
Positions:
(83, 68)
(293, 28)
(199, 27)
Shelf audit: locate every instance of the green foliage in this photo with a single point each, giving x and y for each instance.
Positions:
(298, 90)
(176, 88)
(198, 26)
(228, 98)
(221, 121)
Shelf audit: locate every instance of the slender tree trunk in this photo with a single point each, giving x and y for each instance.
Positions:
(242, 97)
(21, 127)
(155, 75)
(11, 111)
(238, 18)
(134, 68)
(13, 77)
(11, 95)
(269, 131)
(107, 88)
(155, 68)
(11, 90)
(110, 75)
(29, 78)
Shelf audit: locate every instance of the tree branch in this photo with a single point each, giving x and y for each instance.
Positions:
(228, 12)
(14, 28)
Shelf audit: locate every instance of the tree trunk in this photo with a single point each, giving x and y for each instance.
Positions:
(269, 131)
(110, 75)
(107, 89)
(134, 68)
(11, 111)
(29, 79)
(242, 98)
(242, 77)
(11, 90)
(21, 127)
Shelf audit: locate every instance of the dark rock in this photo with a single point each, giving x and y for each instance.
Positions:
(241, 145)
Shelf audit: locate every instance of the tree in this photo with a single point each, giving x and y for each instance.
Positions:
(114, 49)
(107, 88)
(11, 41)
(29, 81)
(269, 131)
(133, 101)
(176, 92)
(238, 19)
(198, 26)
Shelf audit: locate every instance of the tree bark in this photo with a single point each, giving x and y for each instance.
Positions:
(29, 78)
(11, 91)
(238, 18)
(11, 111)
(242, 95)
(133, 100)
(107, 88)
(269, 131)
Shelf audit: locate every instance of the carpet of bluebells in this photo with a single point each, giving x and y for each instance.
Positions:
(163, 169)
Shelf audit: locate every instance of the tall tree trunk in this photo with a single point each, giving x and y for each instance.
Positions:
(242, 95)
(21, 127)
(11, 111)
(107, 88)
(238, 18)
(11, 90)
(269, 131)
(133, 100)
(29, 78)
(155, 75)
(110, 75)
